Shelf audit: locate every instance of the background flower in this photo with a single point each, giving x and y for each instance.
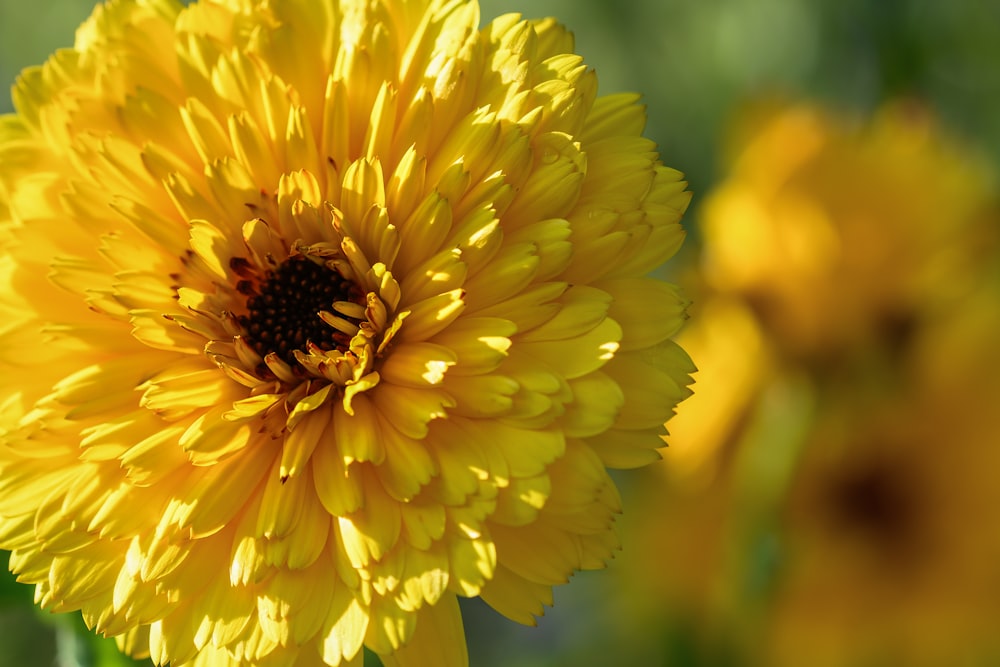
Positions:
(829, 470)
(840, 236)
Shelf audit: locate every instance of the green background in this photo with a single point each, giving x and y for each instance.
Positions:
(695, 62)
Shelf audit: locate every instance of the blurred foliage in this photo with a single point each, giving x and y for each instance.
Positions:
(34, 637)
(698, 64)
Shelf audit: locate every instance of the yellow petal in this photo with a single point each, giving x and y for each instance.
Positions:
(654, 381)
(337, 483)
(345, 626)
(429, 316)
(480, 344)
(417, 364)
(439, 638)
(577, 356)
(515, 597)
(597, 401)
(649, 311)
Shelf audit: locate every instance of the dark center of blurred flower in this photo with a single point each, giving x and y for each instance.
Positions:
(877, 504)
(282, 312)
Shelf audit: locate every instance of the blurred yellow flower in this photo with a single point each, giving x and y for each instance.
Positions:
(319, 315)
(825, 503)
(890, 560)
(839, 233)
(736, 362)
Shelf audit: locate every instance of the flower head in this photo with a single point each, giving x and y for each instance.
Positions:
(319, 315)
(886, 544)
(839, 232)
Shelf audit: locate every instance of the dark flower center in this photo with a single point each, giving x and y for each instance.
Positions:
(282, 311)
(878, 504)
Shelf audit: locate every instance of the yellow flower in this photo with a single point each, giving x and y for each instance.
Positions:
(823, 503)
(890, 561)
(839, 233)
(318, 316)
(736, 361)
